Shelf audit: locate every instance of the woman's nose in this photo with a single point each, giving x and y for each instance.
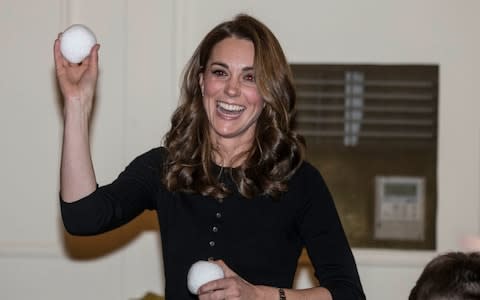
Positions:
(232, 88)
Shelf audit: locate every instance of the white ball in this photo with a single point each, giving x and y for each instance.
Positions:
(202, 272)
(76, 42)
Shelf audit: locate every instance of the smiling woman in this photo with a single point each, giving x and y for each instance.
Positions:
(229, 185)
(255, 76)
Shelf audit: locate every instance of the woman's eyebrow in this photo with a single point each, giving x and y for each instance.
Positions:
(219, 64)
(224, 65)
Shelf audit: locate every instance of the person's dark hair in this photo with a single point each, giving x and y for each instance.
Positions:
(277, 151)
(452, 276)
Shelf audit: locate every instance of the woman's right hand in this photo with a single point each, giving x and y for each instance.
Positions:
(77, 81)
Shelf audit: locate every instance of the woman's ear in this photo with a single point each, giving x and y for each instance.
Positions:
(200, 82)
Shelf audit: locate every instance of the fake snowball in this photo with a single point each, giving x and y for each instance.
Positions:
(76, 42)
(202, 272)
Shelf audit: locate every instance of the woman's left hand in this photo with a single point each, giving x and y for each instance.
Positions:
(230, 287)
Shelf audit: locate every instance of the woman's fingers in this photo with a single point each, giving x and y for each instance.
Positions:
(91, 61)
(213, 286)
(76, 80)
(58, 57)
(220, 289)
(217, 295)
(226, 269)
(61, 63)
(230, 287)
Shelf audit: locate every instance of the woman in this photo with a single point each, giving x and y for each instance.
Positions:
(230, 184)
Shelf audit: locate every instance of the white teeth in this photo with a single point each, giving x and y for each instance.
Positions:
(230, 107)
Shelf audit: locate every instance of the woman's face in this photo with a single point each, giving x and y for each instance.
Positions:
(230, 96)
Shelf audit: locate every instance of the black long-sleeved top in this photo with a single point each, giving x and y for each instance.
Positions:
(260, 239)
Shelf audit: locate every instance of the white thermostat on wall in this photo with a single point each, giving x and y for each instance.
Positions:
(399, 208)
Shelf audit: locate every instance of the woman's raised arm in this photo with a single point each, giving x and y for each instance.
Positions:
(77, 84)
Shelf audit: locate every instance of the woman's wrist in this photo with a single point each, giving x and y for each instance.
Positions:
(77, 108)
(268, 293)
(274, 293)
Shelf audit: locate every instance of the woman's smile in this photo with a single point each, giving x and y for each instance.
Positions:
(230, 109)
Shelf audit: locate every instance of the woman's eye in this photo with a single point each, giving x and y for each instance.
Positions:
(250, 77)
(219, 73)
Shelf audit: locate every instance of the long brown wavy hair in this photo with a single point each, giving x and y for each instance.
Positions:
(277, 151)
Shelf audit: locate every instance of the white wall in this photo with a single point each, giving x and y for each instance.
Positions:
(144, 45)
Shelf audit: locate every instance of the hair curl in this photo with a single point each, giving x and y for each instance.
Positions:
(277, 151)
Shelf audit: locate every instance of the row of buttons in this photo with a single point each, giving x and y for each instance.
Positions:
(218, 215)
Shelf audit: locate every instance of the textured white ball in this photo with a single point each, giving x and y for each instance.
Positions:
(76, 42)
(202, 272)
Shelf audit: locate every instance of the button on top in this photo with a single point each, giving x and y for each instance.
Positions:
(218, 215)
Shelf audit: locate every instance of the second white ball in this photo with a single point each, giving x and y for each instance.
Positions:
(202, 272)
